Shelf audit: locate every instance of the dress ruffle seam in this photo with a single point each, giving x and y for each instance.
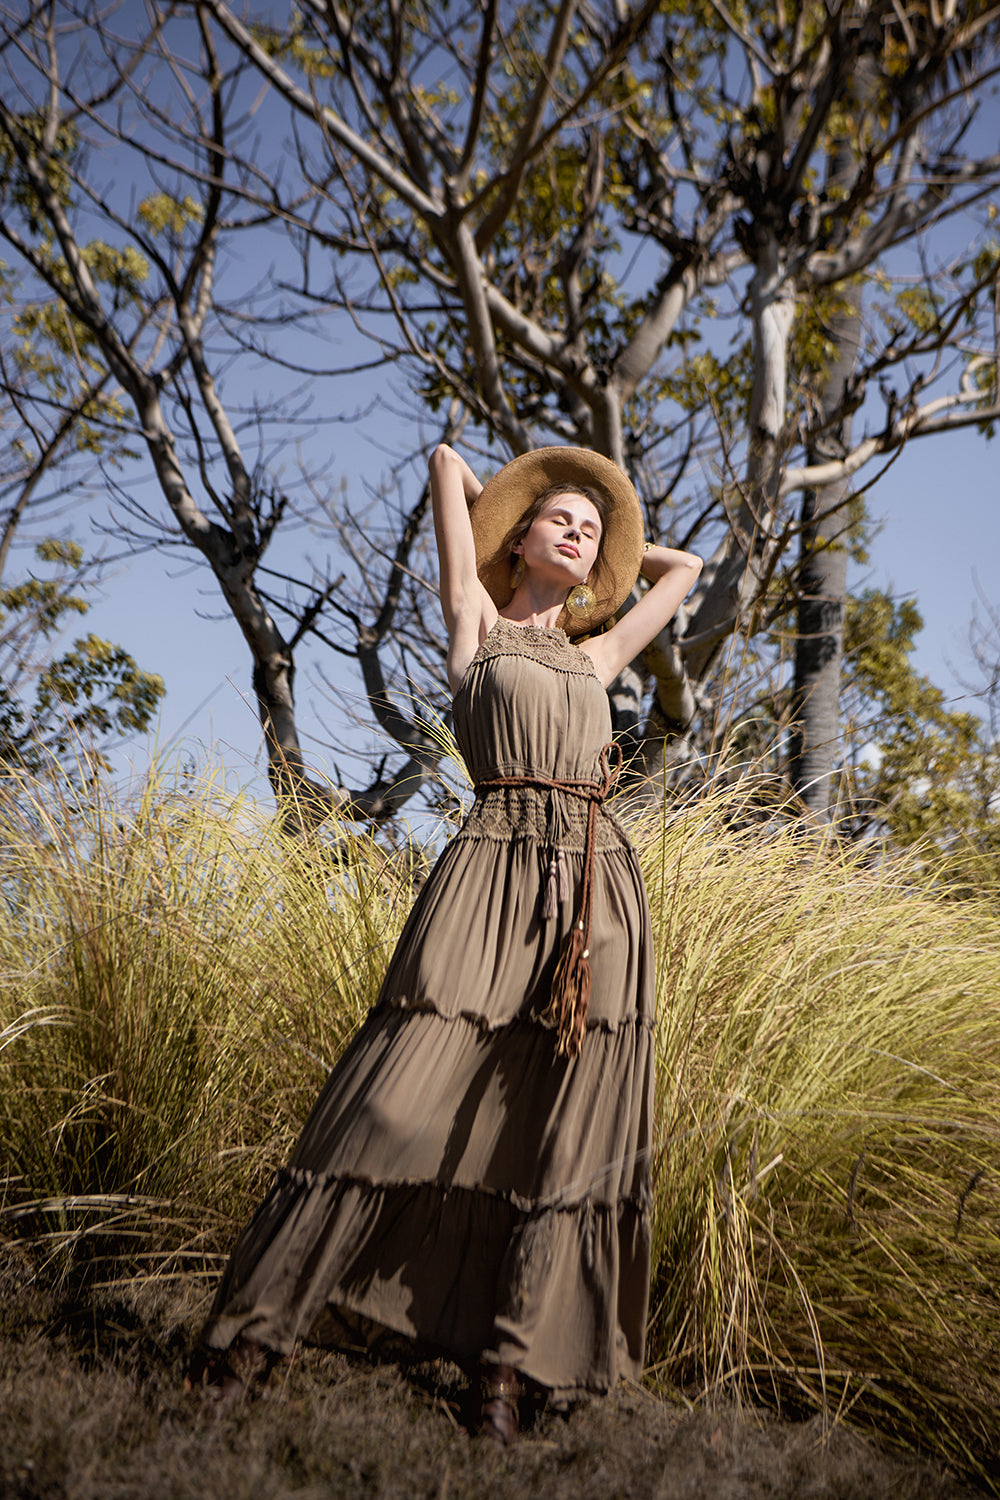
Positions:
(544, 658)
(483, 833)
(402, 1005)
(304, 1177)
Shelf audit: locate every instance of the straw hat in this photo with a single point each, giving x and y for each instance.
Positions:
(498, 509)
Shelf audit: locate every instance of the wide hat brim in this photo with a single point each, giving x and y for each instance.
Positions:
(498, 509)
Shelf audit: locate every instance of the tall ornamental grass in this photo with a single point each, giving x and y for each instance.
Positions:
(175, 979)
(827, 1155)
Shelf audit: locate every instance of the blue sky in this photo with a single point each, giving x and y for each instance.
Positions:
(939, 505)
(940, 508)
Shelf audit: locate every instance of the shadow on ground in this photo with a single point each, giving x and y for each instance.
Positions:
(92, 1408)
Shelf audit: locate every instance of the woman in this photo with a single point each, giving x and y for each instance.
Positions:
(475, 1174)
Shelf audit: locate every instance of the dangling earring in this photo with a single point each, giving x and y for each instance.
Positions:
(580, 601)
(516, 573)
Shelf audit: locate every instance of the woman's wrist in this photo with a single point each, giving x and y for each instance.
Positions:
(657, 560)
(648, 560)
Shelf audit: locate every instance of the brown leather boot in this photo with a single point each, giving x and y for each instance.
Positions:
(227, 1377)
(501, 1391)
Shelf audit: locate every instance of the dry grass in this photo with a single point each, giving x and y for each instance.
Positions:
(829, 1141)
(174, 984)
(93, 1410)
(174, 981)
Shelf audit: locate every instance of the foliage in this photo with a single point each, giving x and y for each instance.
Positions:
(918, 772)
(54, 707)
(177, 977)
(827, 1140)
(912, 772)
(599, 224)
(176, 981)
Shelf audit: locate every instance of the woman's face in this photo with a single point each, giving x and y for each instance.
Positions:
(564, 538)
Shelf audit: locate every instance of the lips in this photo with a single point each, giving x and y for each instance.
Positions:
(568, 549)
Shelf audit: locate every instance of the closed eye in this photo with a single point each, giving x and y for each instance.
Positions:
(586, 528)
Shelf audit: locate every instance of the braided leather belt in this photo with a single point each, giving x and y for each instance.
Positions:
(567, 1009)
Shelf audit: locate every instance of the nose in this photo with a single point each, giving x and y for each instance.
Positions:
(572, 530)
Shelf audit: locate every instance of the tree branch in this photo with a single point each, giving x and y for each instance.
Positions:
(472, 129)
(525, 143)
(940, 415)
(401, 185)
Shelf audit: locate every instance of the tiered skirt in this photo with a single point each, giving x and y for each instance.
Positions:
(457, 1185)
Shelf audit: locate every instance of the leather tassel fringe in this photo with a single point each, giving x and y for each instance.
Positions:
(570, 999)
(571, 994)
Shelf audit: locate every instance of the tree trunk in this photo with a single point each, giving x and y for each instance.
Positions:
(728, 585)
(819, 650)
(819, 645)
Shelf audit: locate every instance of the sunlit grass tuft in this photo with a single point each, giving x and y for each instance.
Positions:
(828, 1132)
(176, 978)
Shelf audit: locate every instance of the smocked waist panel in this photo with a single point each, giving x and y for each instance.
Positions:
(546, 815)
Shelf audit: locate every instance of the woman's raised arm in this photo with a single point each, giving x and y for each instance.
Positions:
(467, 608)
(673, 574)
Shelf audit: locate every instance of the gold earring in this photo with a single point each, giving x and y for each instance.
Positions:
(581, 601)
(517, 572)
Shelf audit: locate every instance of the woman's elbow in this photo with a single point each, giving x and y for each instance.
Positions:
(442, 457)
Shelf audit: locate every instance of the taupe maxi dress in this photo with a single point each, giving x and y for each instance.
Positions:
(457, 1183)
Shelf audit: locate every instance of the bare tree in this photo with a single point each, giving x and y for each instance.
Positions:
(536, 229)
(130, 274)
(497, 177)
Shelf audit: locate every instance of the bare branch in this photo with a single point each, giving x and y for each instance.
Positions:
(944, 414)
(401, 185)
(485, 57)
(526, 142)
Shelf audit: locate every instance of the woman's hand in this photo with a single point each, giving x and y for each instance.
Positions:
(657, 562)
(443, 457)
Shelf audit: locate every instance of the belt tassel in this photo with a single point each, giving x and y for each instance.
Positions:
(571, 994)
(556, 885)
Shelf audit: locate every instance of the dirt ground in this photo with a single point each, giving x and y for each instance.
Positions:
(92, 1408)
